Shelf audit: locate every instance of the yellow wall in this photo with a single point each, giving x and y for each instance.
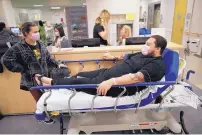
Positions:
(178, 21)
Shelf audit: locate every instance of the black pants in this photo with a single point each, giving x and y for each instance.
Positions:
(93, 77)
(1, 66)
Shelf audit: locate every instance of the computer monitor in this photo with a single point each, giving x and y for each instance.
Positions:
(15, 30)
(136, 40)
(91, 42)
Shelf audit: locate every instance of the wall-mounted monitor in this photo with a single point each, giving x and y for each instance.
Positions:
(15, 30)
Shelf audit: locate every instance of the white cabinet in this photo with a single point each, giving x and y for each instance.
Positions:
(194, 46)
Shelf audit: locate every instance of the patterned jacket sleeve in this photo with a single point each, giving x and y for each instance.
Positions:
(10, 61)
(50, 59)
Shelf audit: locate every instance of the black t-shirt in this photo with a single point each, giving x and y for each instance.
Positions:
(96, 30)
(153, 68)
(36, 50)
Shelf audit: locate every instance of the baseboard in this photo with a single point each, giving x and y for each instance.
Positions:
(199, 56)
(17, 114)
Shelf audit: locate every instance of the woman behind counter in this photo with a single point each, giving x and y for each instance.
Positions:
(30, 57)
(61, 40)
(124, 33)
(100, 29)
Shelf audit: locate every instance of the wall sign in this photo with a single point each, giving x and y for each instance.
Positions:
(188, 16)
(130, 16)
(178, 16)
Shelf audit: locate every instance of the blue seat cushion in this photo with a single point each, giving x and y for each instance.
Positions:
(171, 59)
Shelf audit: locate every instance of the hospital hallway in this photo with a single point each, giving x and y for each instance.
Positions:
(11, 124)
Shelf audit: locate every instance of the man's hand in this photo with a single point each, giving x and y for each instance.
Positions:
(108, 56)
(104, 87)
(62, 66)
(45, 80)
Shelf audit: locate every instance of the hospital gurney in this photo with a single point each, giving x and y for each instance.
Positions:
(138, 112)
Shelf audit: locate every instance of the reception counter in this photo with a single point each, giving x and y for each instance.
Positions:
(15, 101)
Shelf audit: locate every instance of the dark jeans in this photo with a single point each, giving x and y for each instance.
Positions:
(1, 66)
(93, 77)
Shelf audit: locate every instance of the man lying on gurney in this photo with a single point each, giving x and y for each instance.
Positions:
(147, 66)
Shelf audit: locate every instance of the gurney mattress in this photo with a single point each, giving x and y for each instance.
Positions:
(59, 100)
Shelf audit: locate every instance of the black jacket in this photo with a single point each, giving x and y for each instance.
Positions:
(20, 58)
(7, 35)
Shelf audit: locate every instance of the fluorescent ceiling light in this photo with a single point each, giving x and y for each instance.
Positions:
(38, 5)
(55, 7)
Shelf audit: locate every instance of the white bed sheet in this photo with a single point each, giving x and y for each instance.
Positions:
(58, 100)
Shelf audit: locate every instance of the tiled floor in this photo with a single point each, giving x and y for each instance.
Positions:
(194, 63)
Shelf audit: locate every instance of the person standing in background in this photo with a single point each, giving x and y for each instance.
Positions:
(6, 37)
(100, 29)
(61, 40)
(42, 33)
(49, 32)
(124, 33)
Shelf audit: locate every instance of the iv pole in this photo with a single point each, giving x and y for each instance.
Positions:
(187, 49)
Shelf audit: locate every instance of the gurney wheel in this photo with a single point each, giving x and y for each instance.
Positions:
(1, 116)
(182, 122)
(82, 133)
(61, 124)
(167, 131)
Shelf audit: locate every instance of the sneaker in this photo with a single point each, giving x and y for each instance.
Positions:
(49, 122)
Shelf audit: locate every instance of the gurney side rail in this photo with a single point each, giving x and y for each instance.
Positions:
(56, 87)
(86, 86)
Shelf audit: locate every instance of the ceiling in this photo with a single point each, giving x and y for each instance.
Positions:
(46, 3)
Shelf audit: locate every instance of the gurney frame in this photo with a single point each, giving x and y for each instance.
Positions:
(157, 115)
(152, 116)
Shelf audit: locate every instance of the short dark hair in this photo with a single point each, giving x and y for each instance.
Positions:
(2, 26)
(60, 29)
(26, 27)
(40, 23)
(160, 42)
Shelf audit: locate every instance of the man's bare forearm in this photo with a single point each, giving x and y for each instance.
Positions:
(128, 79)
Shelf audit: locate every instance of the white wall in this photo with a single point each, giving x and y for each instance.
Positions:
(154, 1)
(167, 13)
(2, 14)
(7, 13)
(46, 14)
(94, 7)
(196, 26)
(144, 5)
(53, 16)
